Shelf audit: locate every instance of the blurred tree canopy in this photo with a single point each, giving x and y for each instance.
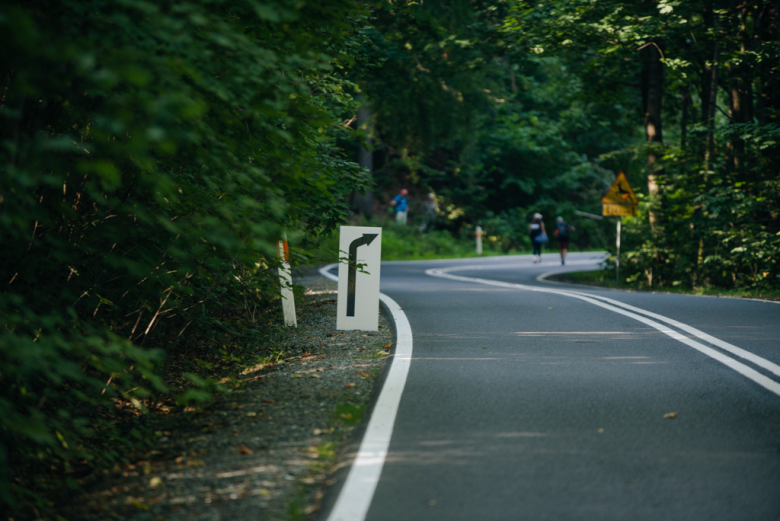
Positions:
(708, 73)
(509, 107)
(152, 153)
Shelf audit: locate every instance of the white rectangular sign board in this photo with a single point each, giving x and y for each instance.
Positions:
(360, 250)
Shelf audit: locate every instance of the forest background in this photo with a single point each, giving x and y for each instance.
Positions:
(153, 154)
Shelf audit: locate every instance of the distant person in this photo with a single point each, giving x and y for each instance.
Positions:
(562, 229)
(401, 204)
(538, 236)
(430, 210)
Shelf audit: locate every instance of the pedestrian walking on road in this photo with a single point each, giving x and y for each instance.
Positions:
(562, 229)
(538, 236)
(401, 204)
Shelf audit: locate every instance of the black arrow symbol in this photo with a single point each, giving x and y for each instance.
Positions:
(367, 239)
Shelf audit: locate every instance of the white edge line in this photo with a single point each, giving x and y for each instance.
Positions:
(738, 351)
(358, 490)
(744, 370)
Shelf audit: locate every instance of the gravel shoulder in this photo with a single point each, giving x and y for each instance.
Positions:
(266, 451)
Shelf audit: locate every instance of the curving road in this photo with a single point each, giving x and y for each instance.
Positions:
(523, 403)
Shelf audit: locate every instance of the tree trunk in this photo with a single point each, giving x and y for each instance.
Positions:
(761, 69)
(652, 88)
(740, 93)
(711, 102)
(686, 108)
(364, 203)
(513, 82)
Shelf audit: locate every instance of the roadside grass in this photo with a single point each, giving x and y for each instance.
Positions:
(606, 279)
(409, 243)
(412, 244)
(347, 413)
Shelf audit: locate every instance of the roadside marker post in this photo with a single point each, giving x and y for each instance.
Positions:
(358, 290)
(617, 244)
(479, 240)
(285, 281)
(619, 200)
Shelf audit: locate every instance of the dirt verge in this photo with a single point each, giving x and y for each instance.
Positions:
(264, 451)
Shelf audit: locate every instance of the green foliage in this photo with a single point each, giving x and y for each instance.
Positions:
(710, 219)
(486, 126)
(151, 154)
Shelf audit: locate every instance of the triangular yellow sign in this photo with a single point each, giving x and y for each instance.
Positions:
(620, 192)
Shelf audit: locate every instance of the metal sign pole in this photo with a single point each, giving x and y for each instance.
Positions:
(617, 243)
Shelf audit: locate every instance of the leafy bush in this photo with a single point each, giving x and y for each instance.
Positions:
(152, 154)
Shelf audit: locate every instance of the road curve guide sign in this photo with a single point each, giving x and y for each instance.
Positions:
(360, 255)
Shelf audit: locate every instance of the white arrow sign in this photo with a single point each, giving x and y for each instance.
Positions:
(360, 254)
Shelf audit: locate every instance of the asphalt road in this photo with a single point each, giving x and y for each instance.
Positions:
(526, 405)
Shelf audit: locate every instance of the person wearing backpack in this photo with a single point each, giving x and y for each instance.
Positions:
(538, 236)
(562, 229)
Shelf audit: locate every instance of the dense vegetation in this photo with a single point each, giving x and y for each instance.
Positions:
(515, 107)
(153, 152)
(708, 73)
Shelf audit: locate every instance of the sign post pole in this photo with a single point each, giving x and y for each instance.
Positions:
(479, 240)
(617, 243)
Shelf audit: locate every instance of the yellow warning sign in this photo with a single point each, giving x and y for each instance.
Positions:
(620, 192)
(620, 200)
(618, 210)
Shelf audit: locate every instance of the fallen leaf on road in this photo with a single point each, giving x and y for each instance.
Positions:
(295, 376)
(314, 376)
(549, 308)
(245, 450)
(195, 463)
(350, 385)
(317, 432)
(137, 504)
(155, 482)
(346, 415)
(251, 414)
(364, 374)
(670, 416)
(387, 346)
(268, 401)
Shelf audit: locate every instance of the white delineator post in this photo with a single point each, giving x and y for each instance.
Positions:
(479, 240)
(617, 244)
(285, 281)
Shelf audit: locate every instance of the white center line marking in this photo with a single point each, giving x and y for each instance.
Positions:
(622, 309)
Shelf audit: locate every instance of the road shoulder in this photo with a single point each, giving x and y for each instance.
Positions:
(265, 451)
